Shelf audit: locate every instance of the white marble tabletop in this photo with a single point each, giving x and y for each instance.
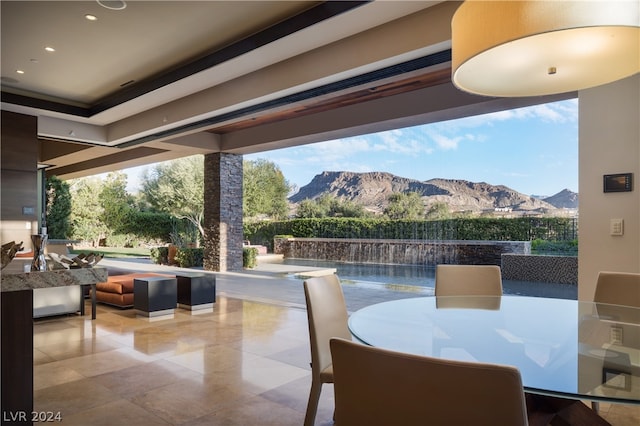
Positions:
(55, 278)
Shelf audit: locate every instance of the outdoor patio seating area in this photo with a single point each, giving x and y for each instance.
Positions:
(245, 363)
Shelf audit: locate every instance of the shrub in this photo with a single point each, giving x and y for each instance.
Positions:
(121, 240)
(159, 255)
(189, 257)
(566, 248)
(249, 257)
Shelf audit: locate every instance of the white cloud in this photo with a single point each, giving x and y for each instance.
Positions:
(446, 143)
(515, 174)
(557, 112)
(447, 134)
(339, 148)
(400, 142)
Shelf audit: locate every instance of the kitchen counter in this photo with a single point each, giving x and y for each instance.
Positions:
(17, 332)
(47, 279)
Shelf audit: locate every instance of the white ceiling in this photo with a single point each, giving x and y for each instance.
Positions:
(94, 60)
(158, 80)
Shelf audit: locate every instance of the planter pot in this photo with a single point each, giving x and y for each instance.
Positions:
(173, 249)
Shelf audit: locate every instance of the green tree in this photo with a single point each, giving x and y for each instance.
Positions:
(177, 187)
(264, 190)
(346, 208)
(58, 208)
(115, 202)
(329, 206)
(309, 208)
(438, 211)
(323, 206)
(404, 205)
(86, 210)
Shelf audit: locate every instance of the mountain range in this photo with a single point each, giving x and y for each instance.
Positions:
(372, 190)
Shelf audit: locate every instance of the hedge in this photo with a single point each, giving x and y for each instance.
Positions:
(495, 229)
(152, 226)
(190, 257)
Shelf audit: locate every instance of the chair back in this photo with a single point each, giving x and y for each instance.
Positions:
(327, 315)
(618, 288)
(375, 386)
(468, 280)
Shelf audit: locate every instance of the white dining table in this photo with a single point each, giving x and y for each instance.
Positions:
(564, 349)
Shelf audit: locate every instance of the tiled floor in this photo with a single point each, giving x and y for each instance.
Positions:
(246, 363)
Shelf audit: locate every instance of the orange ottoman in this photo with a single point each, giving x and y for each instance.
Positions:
(118, 290)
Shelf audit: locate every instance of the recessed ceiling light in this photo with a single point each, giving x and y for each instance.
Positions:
(49, 49)
(113, 5)
(90, 17)
(20, 71)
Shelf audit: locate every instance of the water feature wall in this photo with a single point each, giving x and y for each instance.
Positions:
(546, 269)
(400, 252)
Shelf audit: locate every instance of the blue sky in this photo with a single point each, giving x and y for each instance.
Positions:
(532, 150)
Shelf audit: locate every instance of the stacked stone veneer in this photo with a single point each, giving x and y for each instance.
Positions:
(223, 212)
(546, 269)
(403, 252)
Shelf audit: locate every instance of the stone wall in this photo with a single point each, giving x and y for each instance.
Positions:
(223, 212)
(546, 269)
(401, 252)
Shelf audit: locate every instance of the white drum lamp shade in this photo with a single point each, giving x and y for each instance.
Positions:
(533, 48)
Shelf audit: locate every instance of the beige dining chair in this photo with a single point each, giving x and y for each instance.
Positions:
(468, 280)
(618, 288)
(327, 315)
(375, 386)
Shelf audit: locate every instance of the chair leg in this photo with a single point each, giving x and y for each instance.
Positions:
(312, 405)
(595, 406)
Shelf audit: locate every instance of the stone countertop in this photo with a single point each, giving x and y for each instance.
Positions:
(55, 278)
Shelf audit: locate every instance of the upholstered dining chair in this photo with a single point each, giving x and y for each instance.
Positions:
(327, 315)
(618, 288)
(375, 386)
(468, 280)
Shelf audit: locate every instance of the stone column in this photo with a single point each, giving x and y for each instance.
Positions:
(223, 212)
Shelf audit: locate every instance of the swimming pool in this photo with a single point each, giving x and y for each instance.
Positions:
(424, 276)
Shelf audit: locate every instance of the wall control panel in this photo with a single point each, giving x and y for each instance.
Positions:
(619, 182)
(616, 227)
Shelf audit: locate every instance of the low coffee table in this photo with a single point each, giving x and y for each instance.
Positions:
(155, 296)
(197, 291)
